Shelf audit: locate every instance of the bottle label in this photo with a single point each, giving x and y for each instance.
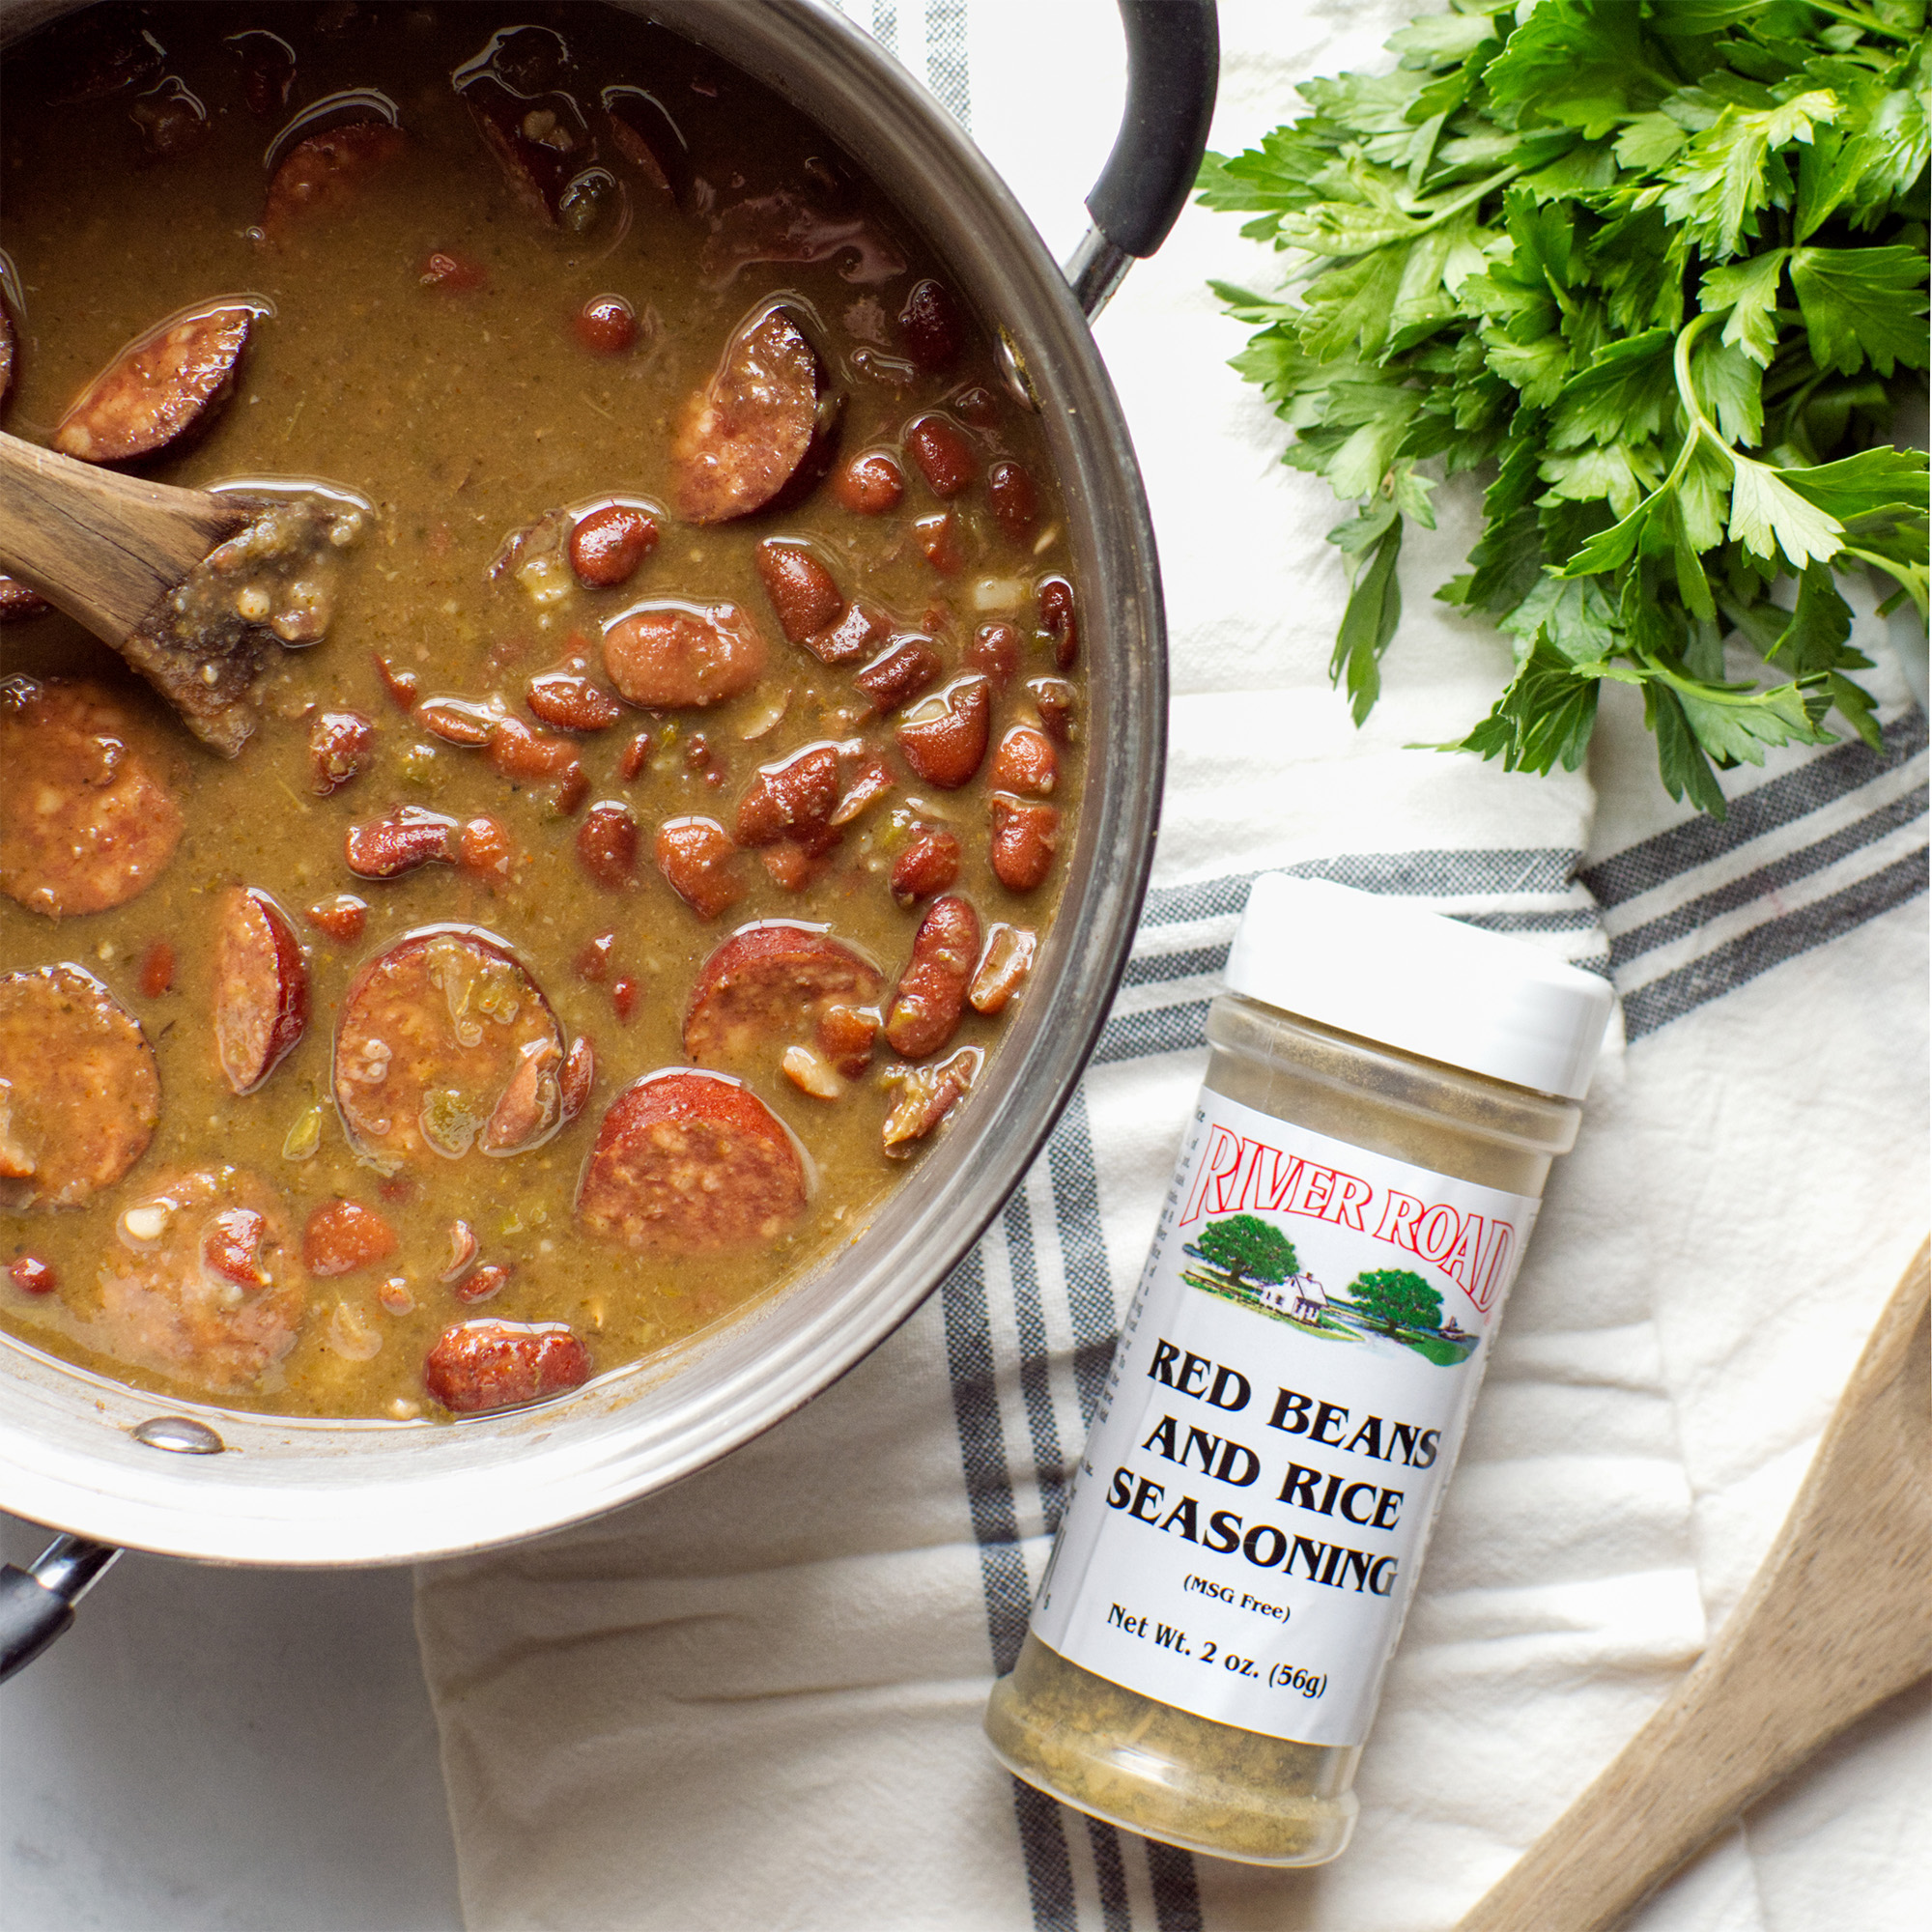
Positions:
(1286, 1403)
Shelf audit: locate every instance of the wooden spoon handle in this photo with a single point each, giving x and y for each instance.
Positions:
(1837, 1618)
(106, 547)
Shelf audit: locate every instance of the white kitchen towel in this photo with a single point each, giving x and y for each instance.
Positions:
(753, 1702)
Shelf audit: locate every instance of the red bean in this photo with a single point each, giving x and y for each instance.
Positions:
(1025, 761)
(700, 862)
(607, 326)
(606, 843)
(905, 667)
(944, 456)
(943, 738)
(578, 1076)
(571, 701)
(231, 1246)
(342, 916)
(940, 539)
(484, 1365)
(846, 1037)
(339, 743)
(1009, 488)
(926, 1096)
(931, 992)
(400, 685)
(607, 546)
(634, 756)
(995, 649)
(929, 865)
(871, 484)
(344, 1236)
(669, 653)
(792, 798)
(978, 405)
(483, 1284)
(518, 752)
(868, 779)
(1058, 705)
(593, 963)
(932, 328)
(855, 633)
(1025, 835)
(1058, 619)
(33, 1276)
(485, 848)
(625, 993)
(456, 275)
(803, 592)
(459, 721)
(158, 969)
(385, 848)
(1003, 967)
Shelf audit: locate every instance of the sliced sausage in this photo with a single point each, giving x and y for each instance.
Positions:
(668, 653)
(538, 166)
(803, 594)
(942, 454)
(159, 386)
(445, 1043)
(943, 738)
(744, 436)
(768, 983)
(98, 53)
(341, 1236)
(571, 701)
(578, 1076)
(79, 1094)
(1025, 761)
(792, 798)
(339, 745)
(88, 823)
(268, 70)
(871, 484)
(1025, 835)
(928, 866)
(260, 988)
(203, 1282)
(607, 546)
(324, 176)
(905, 667)
(926, 1096)
(702, 865)
(646, 136)
(485, 849)
(690, 1163)
(931, 994)
(1003, 967)
(932, 328)
(484, 1365)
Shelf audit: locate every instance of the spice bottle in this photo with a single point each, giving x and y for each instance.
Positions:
(1386, 1092)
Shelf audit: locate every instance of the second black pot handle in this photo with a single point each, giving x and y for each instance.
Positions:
(1173, 64)
(36, 1603)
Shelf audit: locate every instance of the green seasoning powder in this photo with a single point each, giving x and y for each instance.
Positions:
(1386, 1092)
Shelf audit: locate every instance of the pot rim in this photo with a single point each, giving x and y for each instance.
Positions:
(335, 1493)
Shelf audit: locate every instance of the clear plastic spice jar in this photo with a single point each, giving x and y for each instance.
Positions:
(1385, 1094)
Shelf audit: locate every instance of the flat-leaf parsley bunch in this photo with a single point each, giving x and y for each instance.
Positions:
(1661, 266)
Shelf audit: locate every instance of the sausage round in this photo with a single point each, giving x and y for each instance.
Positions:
(668, 653)
(769, 983)
(79, 1094)
(690, 1163)
(159, 386)
(324, 175)
(742, 438)
(445, 1043)
(260, 988)
(206, 1285)
(89, 825)
(482, 1365)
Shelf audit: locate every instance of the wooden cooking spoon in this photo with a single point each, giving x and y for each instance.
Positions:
(1838, 1619)
(112, 551)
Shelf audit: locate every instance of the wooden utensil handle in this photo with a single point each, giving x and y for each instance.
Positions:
(1838, 1619)
(103, 547)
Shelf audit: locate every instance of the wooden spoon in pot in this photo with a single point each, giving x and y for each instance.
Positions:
(1838, 1619)
(194, 588)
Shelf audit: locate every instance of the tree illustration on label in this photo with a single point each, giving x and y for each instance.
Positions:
(1398, 1299)
(1247, 1250)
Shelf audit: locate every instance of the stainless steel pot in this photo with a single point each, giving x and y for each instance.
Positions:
(113, 1466)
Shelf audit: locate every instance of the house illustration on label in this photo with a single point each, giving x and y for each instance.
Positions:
(1301, 1298)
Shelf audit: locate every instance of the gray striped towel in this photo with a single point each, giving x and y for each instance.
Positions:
(753, 1702)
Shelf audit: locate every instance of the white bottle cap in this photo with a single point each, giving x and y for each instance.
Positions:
(1416, 981)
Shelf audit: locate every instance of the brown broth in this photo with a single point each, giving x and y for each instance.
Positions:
(463, 415)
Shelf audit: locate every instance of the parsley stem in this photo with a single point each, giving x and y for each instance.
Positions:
(1911, 578)
(1857, 19)
(1469, 196)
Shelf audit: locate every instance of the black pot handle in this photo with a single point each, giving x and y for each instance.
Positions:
(1173, 64)
(36, 1603)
